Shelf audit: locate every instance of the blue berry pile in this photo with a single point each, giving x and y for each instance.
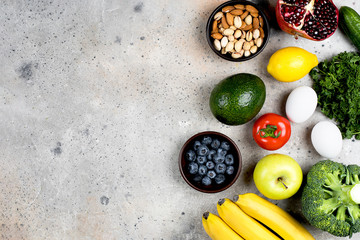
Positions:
(210, 161)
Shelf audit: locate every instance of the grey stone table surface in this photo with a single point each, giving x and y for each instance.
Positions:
(96, 99)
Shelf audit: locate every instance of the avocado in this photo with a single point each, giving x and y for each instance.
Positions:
(238, 98)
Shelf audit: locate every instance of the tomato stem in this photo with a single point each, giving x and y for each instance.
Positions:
(269, 131)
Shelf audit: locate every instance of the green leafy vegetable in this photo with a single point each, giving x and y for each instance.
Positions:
(328, 200)
(337, 84)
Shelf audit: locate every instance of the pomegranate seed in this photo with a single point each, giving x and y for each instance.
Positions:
(319, 22)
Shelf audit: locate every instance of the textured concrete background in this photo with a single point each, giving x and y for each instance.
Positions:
(96, 100)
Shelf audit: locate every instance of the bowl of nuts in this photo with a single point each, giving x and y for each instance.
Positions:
(210, 162)
(237, 30)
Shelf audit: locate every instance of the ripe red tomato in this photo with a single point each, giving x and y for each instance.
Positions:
(271, 131)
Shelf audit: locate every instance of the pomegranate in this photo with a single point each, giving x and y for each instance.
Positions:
(311, 19)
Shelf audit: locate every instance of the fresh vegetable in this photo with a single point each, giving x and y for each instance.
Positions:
(330, 199)
(326, 139)
(217, 229)
(237, 99)
(271, 131)
(272, 216)
(241, 223)
(350, 24)
(277, 176)
(314, 20)
(301, 104)
(337, 84)
(291, 64)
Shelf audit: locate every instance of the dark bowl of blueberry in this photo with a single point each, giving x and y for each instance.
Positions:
(210, 162)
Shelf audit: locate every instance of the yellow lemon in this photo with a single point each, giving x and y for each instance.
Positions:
(291, 63)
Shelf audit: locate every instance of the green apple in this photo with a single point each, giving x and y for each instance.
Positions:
(278, 176)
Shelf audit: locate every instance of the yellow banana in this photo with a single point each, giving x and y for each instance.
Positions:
(272, 216)
(244, 225)
(217, 229)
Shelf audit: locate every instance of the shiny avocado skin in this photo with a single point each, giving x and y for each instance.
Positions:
(237, 99)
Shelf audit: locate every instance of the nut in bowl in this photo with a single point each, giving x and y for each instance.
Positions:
(237, 30)
(210, 162)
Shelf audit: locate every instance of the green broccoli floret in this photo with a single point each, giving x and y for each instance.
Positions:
(329, 199)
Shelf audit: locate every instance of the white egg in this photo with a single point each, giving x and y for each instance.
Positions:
(301, 104)
(326, 139)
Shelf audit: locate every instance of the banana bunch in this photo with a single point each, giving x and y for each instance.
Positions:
(251, 217)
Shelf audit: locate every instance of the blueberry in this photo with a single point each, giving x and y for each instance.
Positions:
(206, 140)
(197, 144)
(201, 160)
(202, 150)
(225, 145)
(190, 155)
(193, 168)
(218, 159)
(206, 181)
(229, 159)
(222, 152)
(197, 178)
(211, 154)
(230, 170)
(202, 170)
(220, 168)
(219, 179)
(211, 174)
(210, 164)
(215, 144)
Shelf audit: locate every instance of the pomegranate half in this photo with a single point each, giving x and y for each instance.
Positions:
(311, 19)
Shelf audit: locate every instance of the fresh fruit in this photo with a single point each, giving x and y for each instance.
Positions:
(237, 99)
(190, 155)
(206, 140)
(272, 216)
(206, 161)
(202, 150)
(210, 164)
(211, 174)
(301, 104)
(193, 168)
(221, 152)
(217, 229)
(220, 168)
(291, 64)
(229, 159)
(277, 176)
(211, 154)
(201, 159)
(197, 144)
(271, 131)
(311, 19)
(202, 170)
(230, 170)
(241, 223)
(225, 146)
(215, 144)
(350, 24)
(220, 178)
(218, 159)
(206, 181)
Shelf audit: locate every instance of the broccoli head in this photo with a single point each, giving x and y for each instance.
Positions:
(330, 199)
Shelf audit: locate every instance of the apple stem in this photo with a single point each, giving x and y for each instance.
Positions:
(280, 180)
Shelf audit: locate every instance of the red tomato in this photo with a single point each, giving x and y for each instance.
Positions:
(271, 131)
